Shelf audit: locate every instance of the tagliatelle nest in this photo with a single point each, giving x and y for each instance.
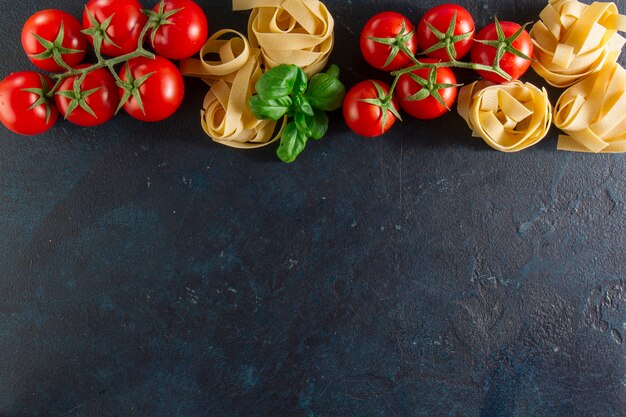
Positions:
(573, 40)
(591, 112)
(299, 32)
(226, 117)
(508, 117)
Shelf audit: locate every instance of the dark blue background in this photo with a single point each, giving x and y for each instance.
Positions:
(146, 271)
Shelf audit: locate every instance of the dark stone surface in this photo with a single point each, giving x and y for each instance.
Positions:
(145, 271)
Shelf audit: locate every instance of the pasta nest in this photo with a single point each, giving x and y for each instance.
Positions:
(591, 112)
(508, 117)
(572, 40)
(299, 32)
(226, 117)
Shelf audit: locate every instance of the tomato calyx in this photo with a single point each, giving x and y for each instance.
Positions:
(430, 87)
(448, 39)
(98, 31)
(42, 97)
(78, 97)
(504, 44)
(131, 88)
(397, 43)
(55, 49)
(385, 102)
(159, 18)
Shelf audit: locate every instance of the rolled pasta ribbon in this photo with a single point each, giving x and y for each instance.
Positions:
(591, 112)
(226, 117)
(299, 32)
(508, 117)
(573, 40)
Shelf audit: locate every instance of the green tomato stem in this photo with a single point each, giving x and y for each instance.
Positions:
(114, 74)
(449, 64)
(392, 89)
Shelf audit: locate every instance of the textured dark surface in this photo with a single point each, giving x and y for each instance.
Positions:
(145, 271)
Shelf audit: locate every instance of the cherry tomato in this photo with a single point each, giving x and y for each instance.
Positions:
(429, 107)
(99, 92)
(46, 24)
(186, 33)
(368, 119)
(18, 94)
(512, 64)
(387, 25)
(161, 93)
(124, 28)
(441, 18)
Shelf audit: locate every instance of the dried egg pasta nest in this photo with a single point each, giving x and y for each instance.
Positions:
(508, 117)
(299, 32)
(226, 117)
(591, 112)
(573, 40)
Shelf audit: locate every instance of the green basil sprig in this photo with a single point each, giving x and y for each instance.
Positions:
(285, 90)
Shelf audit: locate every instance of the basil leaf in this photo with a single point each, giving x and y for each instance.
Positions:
(269, 109)
(305, 107)
(325, 92)
(292, 143)
(301, 83)
(281, 81)
(313, 126)
(320, 125)
(333, 71)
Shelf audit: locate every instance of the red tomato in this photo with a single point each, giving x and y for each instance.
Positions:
(46, 24)
(367, 119)
(18, 93)
(393, 26)
(160, 93)
(99, 92)
(437, 102)
(441, 18)
(124, 28)
(186, 33)
(511, 63)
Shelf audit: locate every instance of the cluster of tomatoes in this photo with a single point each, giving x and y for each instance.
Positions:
(425, 86)
(128, 74)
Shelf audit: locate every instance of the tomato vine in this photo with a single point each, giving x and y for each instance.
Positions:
(403, 43)
(99, 33)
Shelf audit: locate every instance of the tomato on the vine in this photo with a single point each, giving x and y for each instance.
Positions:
(367, 109)
(24, 108)
(154, 88)
(50, 37)
(121, 33)
(446, 30)
(186, 30)
(427, 93)
(386, 38)
(514, 41)
(93, 102)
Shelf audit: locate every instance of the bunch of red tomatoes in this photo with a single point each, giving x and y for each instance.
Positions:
(133, 48)
(425, 86)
